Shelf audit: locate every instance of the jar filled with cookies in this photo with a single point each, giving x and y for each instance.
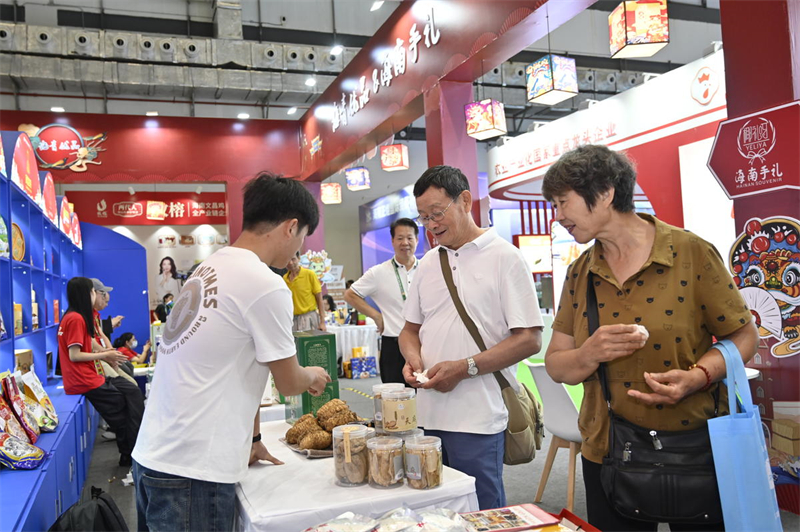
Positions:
(385, 462)
(377, 396)
(423, 462)
(350, 455)
(399, 410)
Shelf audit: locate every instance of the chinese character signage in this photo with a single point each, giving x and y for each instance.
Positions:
(394, 157)
(758, 152)
(551, 79)
(331, 193)
(638, 28)
(151, 208)
(485, 119)
(357, 178)
(61, 147)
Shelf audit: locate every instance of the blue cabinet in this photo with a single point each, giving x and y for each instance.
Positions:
(44, 508)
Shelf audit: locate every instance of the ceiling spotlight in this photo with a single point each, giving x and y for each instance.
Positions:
(376, 5)
(310, 82)
(57, 109)
(243, 116)
(151, 113)
(337, 49)
(131, 191)
(199, 189)
(291, 111)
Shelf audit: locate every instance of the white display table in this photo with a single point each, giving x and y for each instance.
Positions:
(350, 336)
(276, 412)
(302, 493)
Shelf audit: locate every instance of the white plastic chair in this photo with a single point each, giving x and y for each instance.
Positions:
(561, 421)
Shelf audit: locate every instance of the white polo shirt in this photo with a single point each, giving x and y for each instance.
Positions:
(386, 283)
(497, 289)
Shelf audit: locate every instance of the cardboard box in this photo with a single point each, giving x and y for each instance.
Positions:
(317, 348)
(17, 319)
(364, 367)
(23, 360)
(786, 436)
(298, 405)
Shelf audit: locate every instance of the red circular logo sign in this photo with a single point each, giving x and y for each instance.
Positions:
(58, 145)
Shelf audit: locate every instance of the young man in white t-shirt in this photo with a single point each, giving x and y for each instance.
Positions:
(462, 403)
(387, 284)
(230, 327)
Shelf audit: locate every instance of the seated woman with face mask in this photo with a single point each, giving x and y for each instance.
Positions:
(126, 343)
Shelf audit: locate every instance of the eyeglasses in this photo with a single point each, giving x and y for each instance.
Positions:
(434, 216)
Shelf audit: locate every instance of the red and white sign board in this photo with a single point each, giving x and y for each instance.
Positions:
(150, 208)
(759, 152)
(25, 171)
(75, 225)
(65, 216)
(49, 197)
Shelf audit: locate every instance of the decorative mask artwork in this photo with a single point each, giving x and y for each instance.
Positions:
(319, 263)
(765, 262)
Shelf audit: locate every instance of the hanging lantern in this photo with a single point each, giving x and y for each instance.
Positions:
(638, 28)
(551, 79)
(394, 157)
(357, 178)
(485, 119)
(331, 193)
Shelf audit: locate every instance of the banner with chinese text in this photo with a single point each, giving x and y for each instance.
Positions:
(150, 208)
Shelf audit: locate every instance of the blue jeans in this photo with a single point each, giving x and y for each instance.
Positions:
(480, 456)
(167, 502)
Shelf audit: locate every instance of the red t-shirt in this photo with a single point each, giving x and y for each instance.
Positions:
(130, 353)
(79, 377)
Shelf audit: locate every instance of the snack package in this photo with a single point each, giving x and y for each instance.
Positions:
(45, 423)
(35, 390)
(9, 424)
(402, 519)
(441, 520)
(17, 404)
(347, 522)
(18, 454)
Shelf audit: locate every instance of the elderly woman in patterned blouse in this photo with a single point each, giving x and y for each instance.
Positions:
(647, 273)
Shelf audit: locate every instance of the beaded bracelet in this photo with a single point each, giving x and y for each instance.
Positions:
(708, 376)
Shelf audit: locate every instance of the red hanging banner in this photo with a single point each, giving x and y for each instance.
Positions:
(150, 208)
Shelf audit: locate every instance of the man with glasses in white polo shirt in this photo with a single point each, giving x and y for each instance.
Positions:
(462, 403)
(387, 284)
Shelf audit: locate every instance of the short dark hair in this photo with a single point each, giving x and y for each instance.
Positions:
(164, 299)
(331, 302)
(408, 222)
(270, 200)
(451, 180)
(591, 170)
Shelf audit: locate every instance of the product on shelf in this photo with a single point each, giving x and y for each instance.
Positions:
(3, 238)
(9, 423)
(34, 312)
(18, 454)
(23, 360)
(17, 242)
(399, 410)
(385, 456)
(17, 404)
(377, 392)
(317, 439)
(350, 455)
(56, 315)
(17, 319)
(310, 432)
(424, 462)
(33, 388)
(43, 421)
(347, 522)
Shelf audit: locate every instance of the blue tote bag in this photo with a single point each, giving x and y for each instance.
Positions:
(746, 488)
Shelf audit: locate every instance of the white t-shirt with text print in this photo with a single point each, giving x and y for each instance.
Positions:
(232, 317)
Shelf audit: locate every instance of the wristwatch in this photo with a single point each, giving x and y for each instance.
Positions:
(472, 369)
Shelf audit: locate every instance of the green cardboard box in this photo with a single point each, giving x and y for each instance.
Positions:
(314, 348)
(298, 405)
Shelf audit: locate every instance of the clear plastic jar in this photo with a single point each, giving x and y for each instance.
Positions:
(377, 394)
(423, 462)
(385, 462)
(413, 433)
(350, 455)
(399, 410)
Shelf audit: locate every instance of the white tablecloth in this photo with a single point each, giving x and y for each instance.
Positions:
(302, 493)
(350, 336)
(274, 412)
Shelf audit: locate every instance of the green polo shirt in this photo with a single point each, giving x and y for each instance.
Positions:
(683, 295)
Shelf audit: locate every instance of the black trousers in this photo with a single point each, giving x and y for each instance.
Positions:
(392, 362)
(121, 404)
(602, 515)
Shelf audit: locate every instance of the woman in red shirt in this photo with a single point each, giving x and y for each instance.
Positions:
(126, 343)
(118, 401)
